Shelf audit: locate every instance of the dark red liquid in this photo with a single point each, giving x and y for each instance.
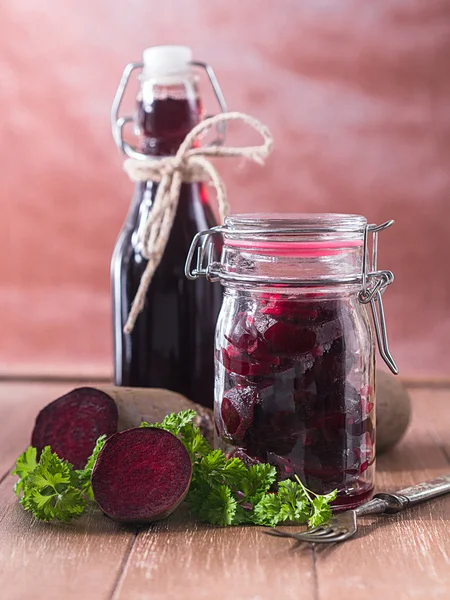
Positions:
(165, 123)
(171, 345)
(289, 400)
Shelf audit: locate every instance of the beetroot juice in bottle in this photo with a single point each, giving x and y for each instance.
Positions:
(171, 345)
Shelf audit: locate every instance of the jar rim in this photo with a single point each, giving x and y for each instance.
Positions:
(297, 222)
(295, 234)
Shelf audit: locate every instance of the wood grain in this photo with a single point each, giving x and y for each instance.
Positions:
(403, 556)
(179, 559)
(58, 561)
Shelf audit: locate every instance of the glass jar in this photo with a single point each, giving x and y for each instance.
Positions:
(294, 347)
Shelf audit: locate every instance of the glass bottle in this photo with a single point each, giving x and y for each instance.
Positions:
(172, 340)
(295, 351)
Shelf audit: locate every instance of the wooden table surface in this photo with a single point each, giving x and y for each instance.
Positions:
(406, 556)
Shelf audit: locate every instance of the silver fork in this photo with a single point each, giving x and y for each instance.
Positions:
(343, 526)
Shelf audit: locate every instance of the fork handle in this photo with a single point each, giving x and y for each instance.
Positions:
(415, 494)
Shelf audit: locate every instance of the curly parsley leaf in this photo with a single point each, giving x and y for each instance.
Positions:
(181, 425)
(219, 507)
(85, 474)
(258, 480)
(289, 504)
(51, 489)
(194, 442)
(321, 511)
(173, 422)
(267, 511)
(24, 465)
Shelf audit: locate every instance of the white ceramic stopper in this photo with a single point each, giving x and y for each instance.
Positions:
(167, 61)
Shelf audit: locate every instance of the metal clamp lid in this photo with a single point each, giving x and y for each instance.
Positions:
(373, 281)
(118, 123)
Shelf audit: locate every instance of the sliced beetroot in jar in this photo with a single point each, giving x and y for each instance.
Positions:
(291, 310)
(285, 338)
(249, 461)
(367, 449)
(276, 431)
(322, 470)
(141, 475)
(281, 309)
(70, 425)
(244, 334)
(237, 410)
(245, 337)
(359, 428)
(285, 468)
(240, 363)
(307, 419)
(340, 327)
(276, 395)
(330, 368)
(329, 426)
(284, 385)
(305, 406)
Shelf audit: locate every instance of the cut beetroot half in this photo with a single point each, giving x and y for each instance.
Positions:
(71, 424)
(141, 475)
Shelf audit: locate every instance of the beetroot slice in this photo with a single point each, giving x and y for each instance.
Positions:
(141, 475)
(71, 424)
(237, 410)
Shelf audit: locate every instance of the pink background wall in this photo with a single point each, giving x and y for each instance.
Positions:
(357, 95)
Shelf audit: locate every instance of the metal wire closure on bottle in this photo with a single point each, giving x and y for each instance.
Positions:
(373, 281)
(118, 123)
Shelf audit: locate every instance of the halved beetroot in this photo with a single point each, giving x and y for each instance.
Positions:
(141, 475)
(70, 425)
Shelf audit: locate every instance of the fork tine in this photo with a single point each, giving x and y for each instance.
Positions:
(317, 529)
(313, 539)
(333, 536)
(344, 534)
(302, 536)
(326, 533)
(321, 533)
(279, 533)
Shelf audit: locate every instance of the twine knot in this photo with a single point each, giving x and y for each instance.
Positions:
(189, 165)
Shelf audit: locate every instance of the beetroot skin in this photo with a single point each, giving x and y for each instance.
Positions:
(141, 475)
(71, 424)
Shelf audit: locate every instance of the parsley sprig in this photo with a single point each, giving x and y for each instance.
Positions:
(223, 491)
(51, 488)
(227, 492)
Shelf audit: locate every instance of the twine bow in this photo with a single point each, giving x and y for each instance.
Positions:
(188, 165)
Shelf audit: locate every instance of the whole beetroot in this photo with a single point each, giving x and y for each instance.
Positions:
(141, 475)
